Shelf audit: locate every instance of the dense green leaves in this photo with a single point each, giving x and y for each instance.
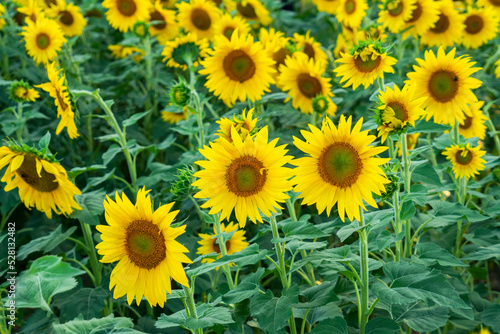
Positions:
(208, 316)
(45, 244)
(106, 325)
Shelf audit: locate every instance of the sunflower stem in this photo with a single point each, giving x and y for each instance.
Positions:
(20, 121)
(150, 103)
(391, 148)
(223, 250)
(407, 182)
(462, 194)
(363, 253)
(397, 225)
(94, 262)
(191, 307)
(456, 134)
(197, 102)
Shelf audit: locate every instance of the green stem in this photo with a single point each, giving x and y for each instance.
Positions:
(397, 224)
(462, 194)
(94, 262)
(20, 121)
(363, 251)
(407, 182)
(223, 249)
(191, 307)
(456, 134)
(92, 278)
(391, 148)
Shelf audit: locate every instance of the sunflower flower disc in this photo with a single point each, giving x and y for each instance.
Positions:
(474, 124)
(253, 11)
(479, 27)
(166, 27)
(394, 13)
(422, 18)
(123, 14)
(448, 29)
(198, 17)
(466, 160)
(69, 17)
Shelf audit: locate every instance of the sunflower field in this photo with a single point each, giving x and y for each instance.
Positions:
(250, 166)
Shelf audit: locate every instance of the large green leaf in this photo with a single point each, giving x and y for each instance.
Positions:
(420, 317)
(318, 295)
(208, 316)
(246, 288)
(45, 244)
(92, 207)
(382, 326)
(485, 253)
(336, 325)
(429, 253)
(300, 229)
(109, 324)
(85, 301)
(426, 174)
(491, 317)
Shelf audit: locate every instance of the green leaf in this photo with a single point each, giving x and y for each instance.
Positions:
(428, 127)
(385, 239)
(425, 173)
(336, 325)
(485, 253)
(339, 254)
(85, 301)
(44, 141)
(92, 207)
(73, 173)
(300, 229)
(429, 253)
(382, 326)
(418, 194)
(46, 277)
(109, 155)
(245, 289)
(407, 211)
(421, 318)
(318, 295)
(109, 324)
(346, 231)
(45, 244)
(491, 317)
(208, 316)
(134, 118)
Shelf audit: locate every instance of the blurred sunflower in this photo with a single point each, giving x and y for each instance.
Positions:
(341, 46)
(123, 14)
(301, 77)
(2, 13)
(474, 124)
(394, 13)
(492, 6)
(351, 12)
(58, 90)
(183, 50)
(244, 125)
(43, 39)
(143, 242)
(366, 62)
(209, 244)
(238, 69)
(20, 91)
(497, 68)
(276, 44)
(340, 169)
(446, 81)
(122, 51)
(173, 117)
(466, 160)
(168, 4)
(448, 29)
(254, 11)
(42, 182)
(480, 27)
(306, 44)
(69, 17)
(373, 32)
(166, 27)
(328, 6)
(30, 10)
(228, 24)
(199, 17)
(247, 176)
(423, 18)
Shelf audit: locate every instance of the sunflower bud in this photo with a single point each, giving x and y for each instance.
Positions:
(320, 104)
(140, 29)
(180, 94)
(20, 91)
(182, 189)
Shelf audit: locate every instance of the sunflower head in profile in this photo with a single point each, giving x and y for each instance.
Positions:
(480, 27)
(446, 82)
(394, 13)
(422, 18)
(180, 93)
(397, 110)
(143, 241)
(174, 116)
(163, 23)
(238, 69)
(43, 39)
(247, 176)
(474, 124)
(69, 17)
(185, 50)
(198, 17)
(340, 168)
(228, 24)
(20, 91)
(366, 62)
(448, 28)
(123, 51)
(466, 160)
(307, 45)
(42, 182)
(351, 12)
(209, 243)
(327, 6)
(123, 14)
(244, 125)
(254, 11)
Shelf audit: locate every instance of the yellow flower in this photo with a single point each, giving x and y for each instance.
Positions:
(227, 24)
(123, 14)
(43, 39)
(69, 17)
(340, 168)
(143, 242)
(123, 51)
(2, 13)
(497, 68)
(328, 6)
(351, 12)
(247, 176)
(446, 81)
(423, 18)
(209, 244)
(198, 17)
(238, 69)
(184, 49)
(466, 160)
(20, 91)
(244, 126)
(167, 27)
(174, 117)
(31, 10)
(480, 27)
(276, 44)
(58, 90)
(342, 46)
(254, 11)
(373, 32)
(448, 29)
(492, 6)
(306, 44)
(474, 124)
(394, 13)
(42, 182)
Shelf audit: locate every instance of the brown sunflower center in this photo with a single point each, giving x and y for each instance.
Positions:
(350, 6)
(399, 111)
(280, 56)
(43, 40)
(340, 165)
(50, 2)
(246, 11)
(417, 12)
(441, 25)
(308, 85)
(157, 16)
(27, 171)
(463, 160)
(126, 7)
(217, 2)
(145, 244)
(474, 24)
(367, 66)
(66, 18)
(245, 176)
(308, 50)
(443, 86)
(228, 31)
(396, 10)
(495, 3)
(239, 66)
(467, 123)
(201, 19)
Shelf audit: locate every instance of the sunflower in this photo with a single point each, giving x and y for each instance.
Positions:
(42, 182)
(446, 81)
(301, 77)
(183, 50)
(276, 44)
(20, 91)
(351, 12)
(411, 143)
(238, 69)
(58, 90)
(311, 48)
(423, 17)
(342, 46)
(497, 68)
(199, 17)
(2, 13)
(397, 109)
(143, 242)
(328, 6)
(480, 27)
(492, 6)
(246, 176)
(209, 244)
(174, 117)
(69, 17)
(122, 51)
(168, 4)
(244, 125)
(474, 124)
(373, 32)
(228, 24)
(466, 160)
(254, 11)
(340, 168)
(123, 14)
(43, 39)
(31, 10)
(366, 62)
(394, 13)
(448, 29)
(166, 26)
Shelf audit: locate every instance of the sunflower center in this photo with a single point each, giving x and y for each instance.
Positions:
(396, 10)
(443, 86)
(126, 7)
(280, 56)
(309, 50)
(308, 85)
(350, 6)
(495, 3)
(66, 18)
(463, 160)
(367, 66)
(27, 171)
(228, 32)
(239, 66)
(247, 11)
(441, 25)
(340, 165)
(20, 92)
(417, 12)
(467, 123)
(145, 244)
(474, 24)
(399, 111)
(42, 41)
(49, 3)
(245, 176)
(157, 16)
(217, 2)
(200, 19)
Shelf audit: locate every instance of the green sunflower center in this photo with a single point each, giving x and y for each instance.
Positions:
(228, 32)
(350, 6)
(157, 16)
(417, 12)
(246, 11)
(145, 244)
(467, 123)
(27, 171)
(474, 24)
(43, 41)
(245, 176)
(396, 10)
(308, 85)
(239, 66)
(464, 160)
(126, 7)
(66, 18)
(443, 86)
(442, 24)
(340, 165)
(399, 111)
(201, 19)
(368, 65)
